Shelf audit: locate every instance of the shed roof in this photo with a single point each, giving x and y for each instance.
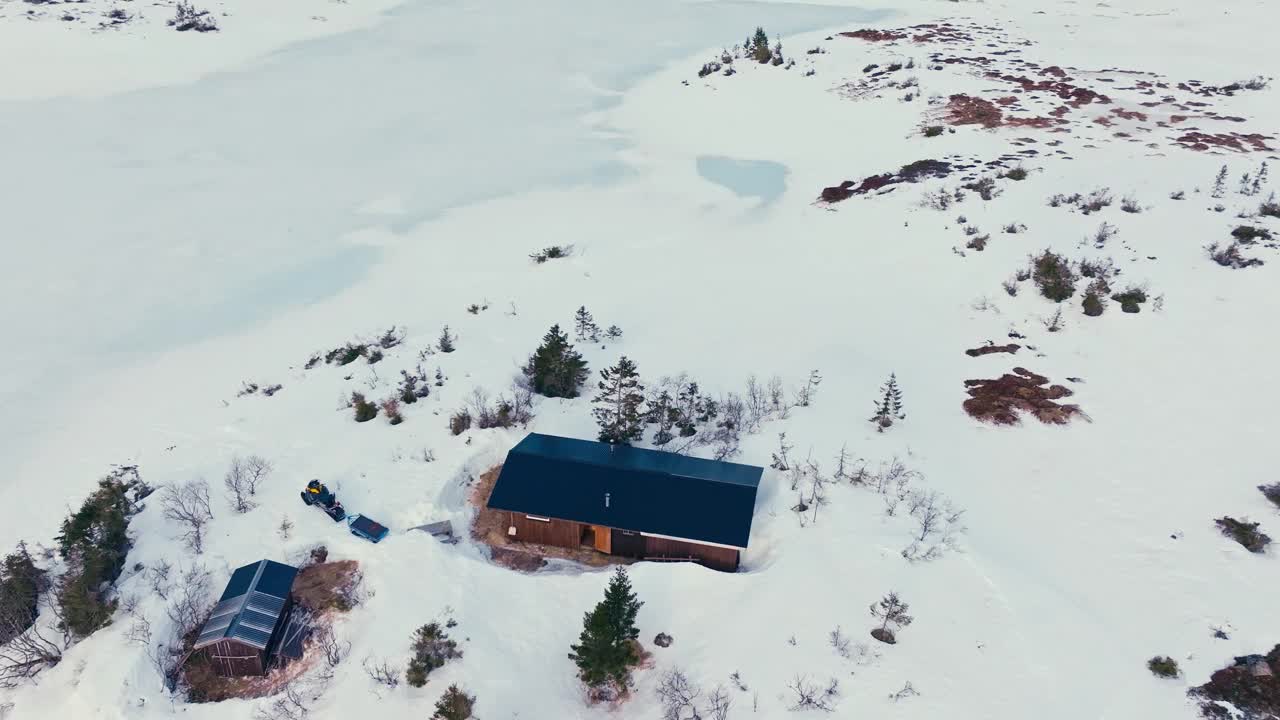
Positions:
(629, 488)
(250, 605)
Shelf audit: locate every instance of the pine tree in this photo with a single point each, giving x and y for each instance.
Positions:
(613, 333)
(455, 704)
(618, 403)
(1220, 182)
(606, 648)
(556, 369)
(1259, 180)
(584, 325)
(1245, 183)
(689, 409)
(891, 611)
(662, 413)
(760, 46)
(889, 406)
(447, 340)
(431, 648)
(20, 585)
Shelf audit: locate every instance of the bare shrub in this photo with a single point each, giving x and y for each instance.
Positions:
(290, 703)
(1096, 201)
(188, 505)
(906, 692)
(1105, 232)
(242, 480)
(391, 408)
(190, 605)
(333, 649)
(382, 672)
(985, 187)
(840, 643)
(1130, 204)
(29, 649)
(807, 695)
(938, 525)
(1230, 256)
(1058, 200)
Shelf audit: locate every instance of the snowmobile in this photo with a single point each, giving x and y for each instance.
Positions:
(318, 495)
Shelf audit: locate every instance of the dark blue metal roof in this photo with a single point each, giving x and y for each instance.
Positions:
(250, 606)
(629, 488)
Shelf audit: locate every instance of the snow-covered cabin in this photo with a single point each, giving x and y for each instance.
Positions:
(627, 501)
(249, 621)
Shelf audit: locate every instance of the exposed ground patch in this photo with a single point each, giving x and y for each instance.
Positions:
(1001, 400)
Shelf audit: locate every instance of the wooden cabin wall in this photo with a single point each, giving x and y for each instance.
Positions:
(718, 558)
(230, 658)
(560, 533)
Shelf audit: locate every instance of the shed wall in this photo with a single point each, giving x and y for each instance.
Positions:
(230, 658)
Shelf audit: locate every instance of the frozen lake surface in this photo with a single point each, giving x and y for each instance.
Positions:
(761, 179)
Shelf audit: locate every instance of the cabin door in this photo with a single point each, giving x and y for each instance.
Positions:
(602, 539)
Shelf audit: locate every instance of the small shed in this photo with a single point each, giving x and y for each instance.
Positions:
(627, 501)
(244, 632)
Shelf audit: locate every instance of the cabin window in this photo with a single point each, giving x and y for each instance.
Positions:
(539, 519)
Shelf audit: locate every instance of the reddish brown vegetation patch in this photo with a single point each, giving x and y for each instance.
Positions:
(998, 401)
(875, 35)
(1129, 114)
(1011, 348)
(914, 172)
(1033, 122)
(940, 33)
(1233, 141)
(325, 586)
(1055, 71)
(1074, 94)
(967, 110)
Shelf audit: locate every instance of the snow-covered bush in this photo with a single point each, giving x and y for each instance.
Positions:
(1245, 533)
(431, 649)
(1272, 493)
(1131, 298)
(364, 410)
(556, 252)
(455, 704)
(1053, 275)
(187, 17)
(1164, 667)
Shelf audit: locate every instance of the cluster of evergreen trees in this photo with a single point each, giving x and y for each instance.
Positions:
(93, 543)
(20, 585)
